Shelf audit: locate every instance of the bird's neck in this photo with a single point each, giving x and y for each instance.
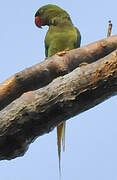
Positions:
(60, 21)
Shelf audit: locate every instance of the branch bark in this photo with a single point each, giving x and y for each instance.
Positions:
(38, 112)
(41, 74)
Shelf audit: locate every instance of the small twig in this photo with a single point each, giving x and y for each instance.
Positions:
(109, 28)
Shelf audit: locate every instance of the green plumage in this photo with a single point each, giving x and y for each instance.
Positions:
(61, 36)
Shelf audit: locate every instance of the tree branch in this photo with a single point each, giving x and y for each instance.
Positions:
(41, 74)
(38, 112)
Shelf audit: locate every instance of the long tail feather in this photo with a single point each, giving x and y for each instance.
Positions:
(63, 136)
(60, 139)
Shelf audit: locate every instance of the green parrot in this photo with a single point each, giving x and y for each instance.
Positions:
(61, 36)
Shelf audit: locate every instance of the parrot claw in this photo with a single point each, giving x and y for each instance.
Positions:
(62, 53)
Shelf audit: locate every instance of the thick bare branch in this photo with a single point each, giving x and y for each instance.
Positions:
(38, 112)
(41, 74)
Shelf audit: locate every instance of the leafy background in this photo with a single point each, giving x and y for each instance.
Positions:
(91, 145)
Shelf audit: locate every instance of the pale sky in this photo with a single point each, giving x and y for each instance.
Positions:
(91, 145)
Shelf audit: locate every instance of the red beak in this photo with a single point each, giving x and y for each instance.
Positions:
(38, 22)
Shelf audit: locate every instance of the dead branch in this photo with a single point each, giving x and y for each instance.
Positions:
(109, 28)
(41, 74)
(38, 112)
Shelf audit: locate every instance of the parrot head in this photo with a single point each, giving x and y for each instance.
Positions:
(50, 15)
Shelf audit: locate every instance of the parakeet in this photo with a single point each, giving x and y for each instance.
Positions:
(61, 36)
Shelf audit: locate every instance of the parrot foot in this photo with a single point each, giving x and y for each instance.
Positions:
(83, 64)
(62, 53)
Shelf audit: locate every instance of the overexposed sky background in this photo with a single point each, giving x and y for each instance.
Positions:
(91, 137)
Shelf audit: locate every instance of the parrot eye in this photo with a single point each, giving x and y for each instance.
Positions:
(41, 11)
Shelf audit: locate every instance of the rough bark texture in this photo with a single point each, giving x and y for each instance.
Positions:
(38, 112)
(43, 73)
